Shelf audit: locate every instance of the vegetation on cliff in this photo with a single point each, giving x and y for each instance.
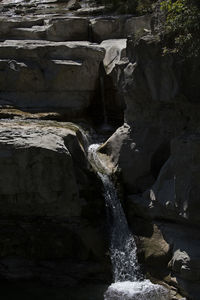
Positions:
(182, 26)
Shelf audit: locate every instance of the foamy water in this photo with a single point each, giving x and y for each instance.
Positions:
(143, 290)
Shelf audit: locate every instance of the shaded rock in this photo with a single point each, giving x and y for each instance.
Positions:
(8, 24)
(49, 75)
(132, 150)
(33, 33)
(111, 27)
(175, 193)
(74, 5)
(68, 29)
(48, 212)
(33, 162)
(156, 250)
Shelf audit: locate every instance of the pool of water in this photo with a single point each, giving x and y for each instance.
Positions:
(37, 291)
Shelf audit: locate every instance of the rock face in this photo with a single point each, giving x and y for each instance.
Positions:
(156, 151)
(47, 205)
(33, 160)
(118, 27)
(175, 192)
(39, 75)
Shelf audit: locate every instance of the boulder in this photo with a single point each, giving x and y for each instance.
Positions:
(34, 158)
(49, 219)
(115, 51)
(135, 151)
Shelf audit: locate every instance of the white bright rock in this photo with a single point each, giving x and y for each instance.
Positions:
(143, 290)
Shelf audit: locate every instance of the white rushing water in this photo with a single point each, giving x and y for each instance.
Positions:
(128, 280)
(122, 245)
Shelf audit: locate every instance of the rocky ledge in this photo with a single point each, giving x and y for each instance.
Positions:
(156, 152)
(51, 229)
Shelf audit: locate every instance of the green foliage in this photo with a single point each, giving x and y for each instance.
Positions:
(182, 27)
(144, 6)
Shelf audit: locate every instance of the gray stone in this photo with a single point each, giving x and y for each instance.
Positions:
(47, 227)
(175, 193)
(132, 150)
(115, 51)
(41, 74)
(68, 29)
(118, 27)
(36, 165)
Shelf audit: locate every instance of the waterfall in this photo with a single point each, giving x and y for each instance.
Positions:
(122, 245)
(129, 283)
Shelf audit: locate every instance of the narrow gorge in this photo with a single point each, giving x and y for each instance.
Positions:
(99, 155)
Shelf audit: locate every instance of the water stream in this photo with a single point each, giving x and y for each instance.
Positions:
(129, 283)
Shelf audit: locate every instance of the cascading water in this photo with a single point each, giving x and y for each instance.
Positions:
(129, 283)
(122, 244)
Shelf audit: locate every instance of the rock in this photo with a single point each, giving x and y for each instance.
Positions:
(115, 51)
(33, 159)
(136, 290)
(156, 250)
(136, 25)
(105, 28)
(170, 200)
(132, 151)
(149, 80)
(74, 5)
(8, 25)
(185, 261)
(48, 212)
(40, 75)
(68, 29)
(119, 27)
(33, 33)
(170, 197)
(161, 182)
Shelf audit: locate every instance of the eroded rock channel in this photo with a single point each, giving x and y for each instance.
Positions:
(72, 75)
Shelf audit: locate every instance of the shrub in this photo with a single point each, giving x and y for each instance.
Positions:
(182, 27)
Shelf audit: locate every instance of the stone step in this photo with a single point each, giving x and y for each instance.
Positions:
(43, 74)
(33, 33)
(56, 28)
(7, 24)
(71, 28)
